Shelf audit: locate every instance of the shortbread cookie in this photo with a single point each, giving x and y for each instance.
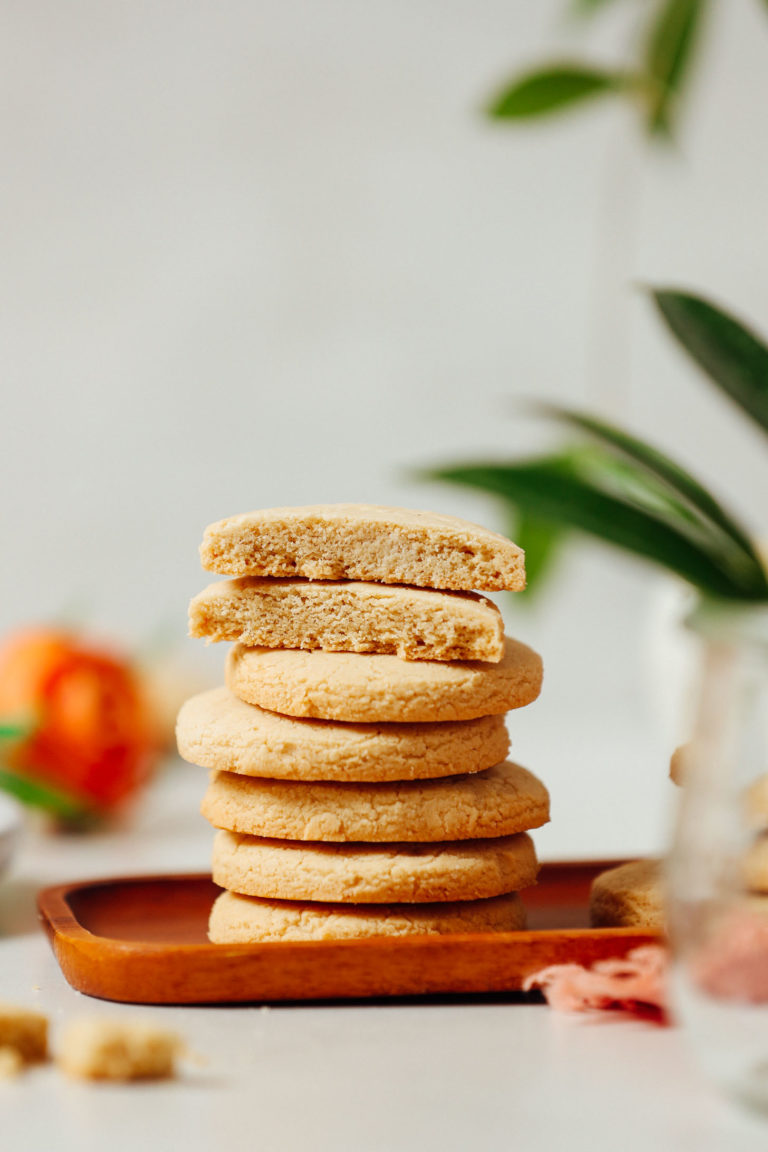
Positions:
(349, 686)
(630, 896)
(248, 920)
(216, 730)
(498, 802)
(364, 542)
(93, 1048)
(350, 616)
(373, 873)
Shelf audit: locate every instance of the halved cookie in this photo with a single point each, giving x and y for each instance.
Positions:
(349, 616)
(364, 542)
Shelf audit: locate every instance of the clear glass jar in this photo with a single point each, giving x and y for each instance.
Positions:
(717, 874)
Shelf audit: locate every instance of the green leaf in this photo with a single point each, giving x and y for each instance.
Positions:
(38, 795)
(734, 357)
(541, 542)
(588, 7)
(675, 481)
(11, 731)
(551, 489)
(552, 89)
(668, 57)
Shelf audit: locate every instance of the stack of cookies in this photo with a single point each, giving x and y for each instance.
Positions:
(359, 778)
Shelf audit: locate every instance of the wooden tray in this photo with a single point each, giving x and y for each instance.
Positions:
(142, 940)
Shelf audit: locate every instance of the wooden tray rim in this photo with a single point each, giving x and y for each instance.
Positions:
(56, 913)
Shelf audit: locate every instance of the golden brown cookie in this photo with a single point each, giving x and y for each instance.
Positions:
(216, 730)
(630, 896)
(353, 687)
(248, 920)
(373, 873)
(364, 542)
(498, 802)
(349, 616)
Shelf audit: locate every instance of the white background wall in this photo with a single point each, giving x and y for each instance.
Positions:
(262, 252)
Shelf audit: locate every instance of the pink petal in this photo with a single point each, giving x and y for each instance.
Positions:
(636, 981)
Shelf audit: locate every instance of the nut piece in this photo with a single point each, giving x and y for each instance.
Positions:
(93, 1048)
(25, 1031)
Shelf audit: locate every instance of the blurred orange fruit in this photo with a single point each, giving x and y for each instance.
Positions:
(89, 729)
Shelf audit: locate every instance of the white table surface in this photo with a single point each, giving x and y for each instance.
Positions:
(408, 1075)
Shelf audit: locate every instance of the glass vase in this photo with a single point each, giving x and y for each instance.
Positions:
(717, 873)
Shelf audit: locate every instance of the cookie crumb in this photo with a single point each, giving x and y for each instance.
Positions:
(25, 1031)
(11, 1063)
(92, 1048)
